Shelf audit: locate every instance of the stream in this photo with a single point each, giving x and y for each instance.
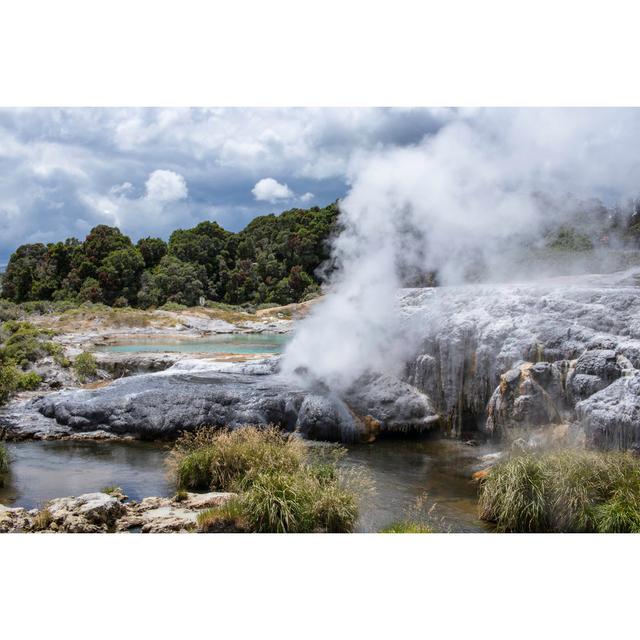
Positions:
(404, 472)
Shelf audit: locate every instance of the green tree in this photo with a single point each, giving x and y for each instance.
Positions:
(173, 281)
(119, 275)
(152, 250)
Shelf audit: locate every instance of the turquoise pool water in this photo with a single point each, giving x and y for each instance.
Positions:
(226, 343)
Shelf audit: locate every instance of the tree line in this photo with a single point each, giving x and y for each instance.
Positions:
(275, 259)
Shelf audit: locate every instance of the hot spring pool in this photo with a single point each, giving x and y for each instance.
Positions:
(225, 343)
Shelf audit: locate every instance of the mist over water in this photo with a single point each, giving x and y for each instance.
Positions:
(464, 202)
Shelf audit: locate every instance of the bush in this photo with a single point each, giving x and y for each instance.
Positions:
(85, 366)
(564, 491)
(24, 343)
(28, 381)
(283, 485)
(9, 376)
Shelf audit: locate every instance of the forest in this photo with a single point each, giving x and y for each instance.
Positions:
(274, 260)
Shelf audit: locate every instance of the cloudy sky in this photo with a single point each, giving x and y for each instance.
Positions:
(149, 171)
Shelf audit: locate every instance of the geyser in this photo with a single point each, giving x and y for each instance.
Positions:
(463, 203)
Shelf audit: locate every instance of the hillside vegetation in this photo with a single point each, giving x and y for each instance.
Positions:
(273, 260)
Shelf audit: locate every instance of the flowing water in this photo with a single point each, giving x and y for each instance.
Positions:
(225, 343)
(434, 472)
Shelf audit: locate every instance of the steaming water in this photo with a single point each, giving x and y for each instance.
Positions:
(402, 471)
(230, 343)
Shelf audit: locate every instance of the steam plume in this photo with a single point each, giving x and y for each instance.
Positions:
(465, 198)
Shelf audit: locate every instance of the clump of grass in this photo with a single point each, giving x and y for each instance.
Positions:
(224, 460)
(407, 526)
(563, 491)
(4, 463)
(181, 495)
(85, 366)
(283, 485)
(43, 520)
(111, 490)
(226, 518)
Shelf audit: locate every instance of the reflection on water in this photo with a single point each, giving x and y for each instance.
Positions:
(403, 471)
(408, 471)
(227, 343)
(44, 470)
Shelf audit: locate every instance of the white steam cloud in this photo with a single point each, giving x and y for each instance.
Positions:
(458, 200)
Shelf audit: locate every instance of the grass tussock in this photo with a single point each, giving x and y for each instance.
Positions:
(564, 491)
(284, 485)
(43, 520)
(4, 463)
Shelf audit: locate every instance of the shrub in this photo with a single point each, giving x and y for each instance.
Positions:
(28, 381)
(25, 342)
(9, 376)
(284, 486)
(563, 491)
(85, 365)
(9, 310)
(406, 526)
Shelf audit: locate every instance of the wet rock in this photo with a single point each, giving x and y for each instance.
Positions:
(611, 417)
(527, 396)
(471, 336)
(161, 406)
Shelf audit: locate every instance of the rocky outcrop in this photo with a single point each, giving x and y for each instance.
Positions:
(192, 395)
(611, 417)
(102, 513)
(495, 357)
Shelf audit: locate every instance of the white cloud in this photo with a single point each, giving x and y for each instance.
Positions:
(271, 190)
(306, 197)
(166, 186)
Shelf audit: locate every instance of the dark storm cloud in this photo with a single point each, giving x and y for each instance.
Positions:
(65, 170)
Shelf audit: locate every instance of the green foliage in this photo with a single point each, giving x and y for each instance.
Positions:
(406, 526)
(119, 275)
(111, 490)
(172, 281)
(283, 486)
(23, 343)
(273, 260)
(28, 381)
(152, 251)
(569, 239)
(224, 460)
(564, 491)
(9, 377)
(85, 366)
(9, 311)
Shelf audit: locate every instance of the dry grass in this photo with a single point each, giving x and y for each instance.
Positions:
(563, 491)
(284, 486)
